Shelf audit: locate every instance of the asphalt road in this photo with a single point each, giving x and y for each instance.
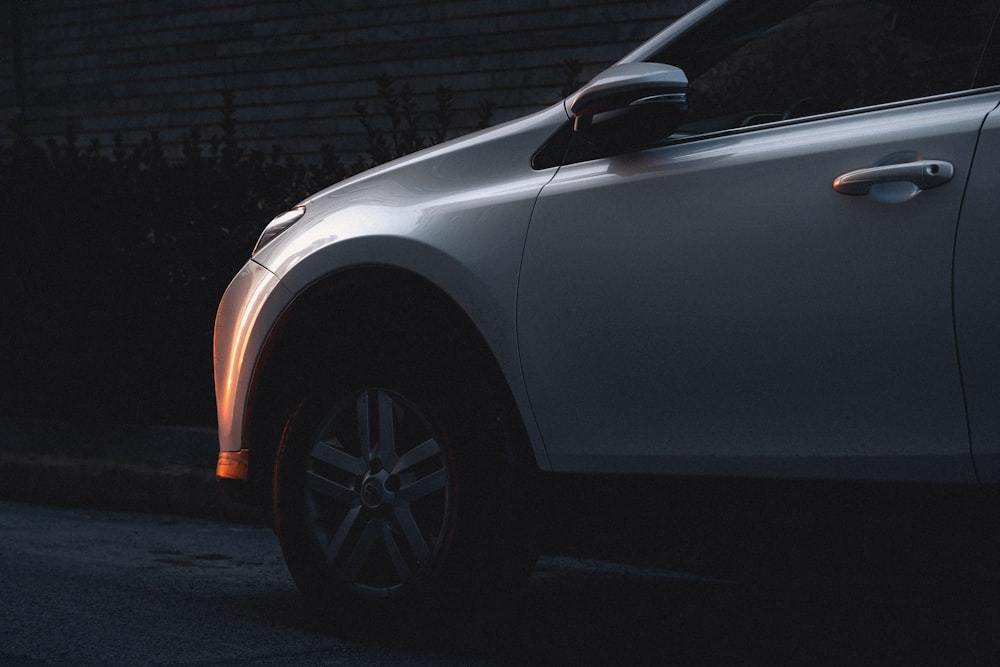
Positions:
(80, 587)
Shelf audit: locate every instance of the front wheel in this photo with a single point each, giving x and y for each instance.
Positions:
(390, 497)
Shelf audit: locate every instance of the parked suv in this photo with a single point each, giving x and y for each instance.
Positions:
(763, 246)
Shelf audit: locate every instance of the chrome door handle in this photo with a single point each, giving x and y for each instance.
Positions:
(923, 174)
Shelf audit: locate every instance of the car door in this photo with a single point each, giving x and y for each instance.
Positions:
(715, 306)
(977, 302)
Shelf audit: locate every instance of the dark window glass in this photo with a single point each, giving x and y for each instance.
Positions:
(759, 62)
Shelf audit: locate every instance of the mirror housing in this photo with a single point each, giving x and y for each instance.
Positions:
(630, 106)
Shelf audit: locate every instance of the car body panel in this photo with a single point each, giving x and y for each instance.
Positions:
(455, 214)
(977, 302)
(817, 340)
(723, 311)
(251, 304)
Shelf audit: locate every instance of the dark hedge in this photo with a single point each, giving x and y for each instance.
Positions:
(114, 258)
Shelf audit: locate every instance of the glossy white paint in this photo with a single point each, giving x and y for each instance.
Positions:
(251, 305)
(456, 214)
(977, 302)
(716, 307)
(712, 307)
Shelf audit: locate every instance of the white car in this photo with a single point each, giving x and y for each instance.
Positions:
(763, 246)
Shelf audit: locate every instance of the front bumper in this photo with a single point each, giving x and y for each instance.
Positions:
(249, 309)
(233, 465)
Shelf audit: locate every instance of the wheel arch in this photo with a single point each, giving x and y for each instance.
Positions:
(342, 316)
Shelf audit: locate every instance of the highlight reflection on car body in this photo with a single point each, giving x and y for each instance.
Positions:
(760, 247)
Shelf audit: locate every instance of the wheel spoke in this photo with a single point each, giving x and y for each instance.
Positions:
(398, 560)
(336, 542)
(421, 452)
(424, 486)
(364, 427)
(328, 487)
(363, 548)
(386, 431)
(328, 452)
(408, 525)
(377, 498)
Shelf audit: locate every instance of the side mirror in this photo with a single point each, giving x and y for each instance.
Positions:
(630, 106)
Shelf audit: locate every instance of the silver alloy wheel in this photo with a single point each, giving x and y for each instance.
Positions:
(378, 495)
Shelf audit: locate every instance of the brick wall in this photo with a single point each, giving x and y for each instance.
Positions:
(295, 68)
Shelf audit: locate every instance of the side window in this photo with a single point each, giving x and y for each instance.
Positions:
(803, 58)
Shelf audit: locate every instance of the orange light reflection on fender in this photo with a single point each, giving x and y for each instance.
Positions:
(250, 307)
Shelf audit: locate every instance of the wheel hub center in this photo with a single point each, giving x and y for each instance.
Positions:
(374, 492)
(371, 492)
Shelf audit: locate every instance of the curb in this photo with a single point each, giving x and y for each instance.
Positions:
(122, 467)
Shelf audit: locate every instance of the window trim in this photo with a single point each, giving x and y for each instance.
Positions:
(833, 114)
(565, 143)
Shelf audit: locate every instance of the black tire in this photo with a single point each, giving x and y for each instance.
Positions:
(430, 525)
